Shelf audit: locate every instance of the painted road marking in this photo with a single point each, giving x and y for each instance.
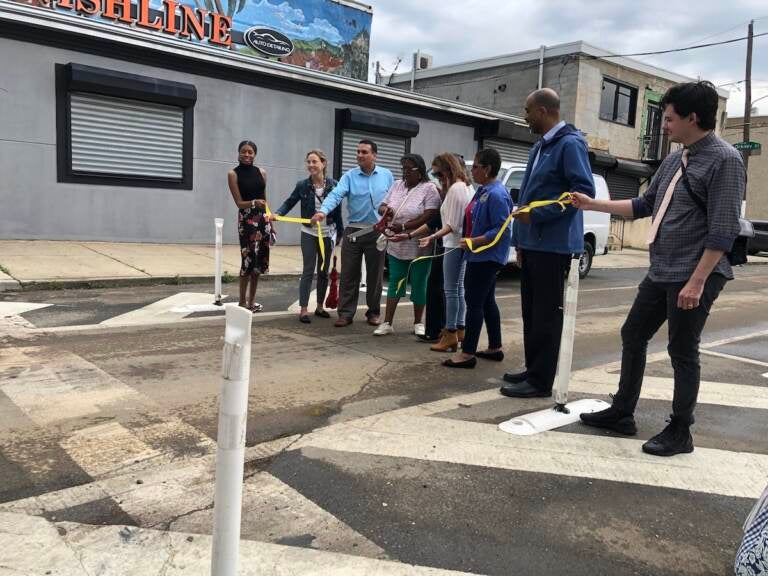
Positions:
(396, 435)
(167, 310)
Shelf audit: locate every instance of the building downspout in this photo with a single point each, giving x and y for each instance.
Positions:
(413, 69)
(542, 51)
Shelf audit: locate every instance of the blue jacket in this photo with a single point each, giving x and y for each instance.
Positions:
(490, 210)
(563, 167)
(305, 193)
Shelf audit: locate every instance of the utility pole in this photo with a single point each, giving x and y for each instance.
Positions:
(748, 106)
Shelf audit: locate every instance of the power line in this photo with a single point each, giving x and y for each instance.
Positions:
(731, 41)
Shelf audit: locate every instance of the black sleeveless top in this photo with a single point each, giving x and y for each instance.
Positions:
(250, 182)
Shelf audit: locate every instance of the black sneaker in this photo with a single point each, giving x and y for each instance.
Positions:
(674, 439)
(611, 419)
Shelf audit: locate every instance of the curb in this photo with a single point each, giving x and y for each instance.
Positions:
(93, 283)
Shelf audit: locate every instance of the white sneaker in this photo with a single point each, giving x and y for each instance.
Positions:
(384, 329)
(419, 329)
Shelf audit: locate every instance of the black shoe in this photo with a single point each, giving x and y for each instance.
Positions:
(322, 314)
(470, 363)
(612, 419)
(305, 319)
(524, 390)
(428, 337)
(496, 356)
(674, 439)
(515, 377)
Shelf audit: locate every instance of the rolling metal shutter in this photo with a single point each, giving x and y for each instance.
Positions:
(116, 136)
(509, 150)
(622, 186)
(391, 149)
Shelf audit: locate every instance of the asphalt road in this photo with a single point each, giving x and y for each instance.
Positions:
(367, 446)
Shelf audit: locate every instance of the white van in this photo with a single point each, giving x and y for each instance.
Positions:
(596, 224)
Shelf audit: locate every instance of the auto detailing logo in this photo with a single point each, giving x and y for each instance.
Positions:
(268, 41)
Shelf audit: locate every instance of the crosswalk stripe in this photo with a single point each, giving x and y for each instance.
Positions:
(605, 458)
(106, 449)
(33, 545)
(167, 310)
(53, 386)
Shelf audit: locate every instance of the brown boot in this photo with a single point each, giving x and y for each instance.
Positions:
(448, 342)
(460, 335)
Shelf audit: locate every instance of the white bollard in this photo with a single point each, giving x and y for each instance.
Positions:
(230, 452)
(219, 224)
(565, 359)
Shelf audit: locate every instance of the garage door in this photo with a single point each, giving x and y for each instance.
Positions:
(510, 150)
(622, 186)
(391, 149)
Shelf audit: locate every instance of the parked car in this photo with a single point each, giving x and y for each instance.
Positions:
(760, 241)
(597, 225)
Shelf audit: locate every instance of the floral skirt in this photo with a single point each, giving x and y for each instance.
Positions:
(254, 231)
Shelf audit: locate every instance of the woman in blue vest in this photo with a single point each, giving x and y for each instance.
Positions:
(486, 217)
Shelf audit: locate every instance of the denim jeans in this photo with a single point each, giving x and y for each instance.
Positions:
(481, 305)
(454, 266)
(655, 303)
(310, 251)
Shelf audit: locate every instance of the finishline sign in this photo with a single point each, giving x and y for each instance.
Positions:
(174, 19)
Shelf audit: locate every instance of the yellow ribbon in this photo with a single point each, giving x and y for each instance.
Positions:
(562, 201)
(295, 220)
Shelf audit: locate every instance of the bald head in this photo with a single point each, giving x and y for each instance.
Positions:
(542, 110)
(546, 98)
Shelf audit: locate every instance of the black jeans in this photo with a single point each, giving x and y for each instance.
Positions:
(542, 282)
(435, 315)
(656, 302)
(480, 296)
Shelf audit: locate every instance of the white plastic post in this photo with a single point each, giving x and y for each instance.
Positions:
(565, 358)
(230, 452)
(219, 224)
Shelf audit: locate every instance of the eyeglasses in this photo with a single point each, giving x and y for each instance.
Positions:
(411, 169)
(437, 174)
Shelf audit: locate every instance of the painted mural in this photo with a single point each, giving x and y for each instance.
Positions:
(326, 36)
(323, 34)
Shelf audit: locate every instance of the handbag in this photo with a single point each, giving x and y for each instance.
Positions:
(737, 255)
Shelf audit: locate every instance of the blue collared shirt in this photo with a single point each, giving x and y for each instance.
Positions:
(547, 137)
(364, 193)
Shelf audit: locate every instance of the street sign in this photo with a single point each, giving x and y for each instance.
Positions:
(754, 148)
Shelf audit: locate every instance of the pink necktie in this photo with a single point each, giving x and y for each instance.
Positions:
(666, 200)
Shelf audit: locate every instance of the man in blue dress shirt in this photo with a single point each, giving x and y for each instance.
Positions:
(364, 188)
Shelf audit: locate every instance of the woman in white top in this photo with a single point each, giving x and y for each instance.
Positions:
(455, 184)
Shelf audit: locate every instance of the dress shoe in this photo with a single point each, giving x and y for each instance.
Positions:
(448, 342)
(374, 320)
(524, 390)
(515, 377)
(305, 319)
(342, 321)
(674, 439)
(612, 419)
(429, 338)
(322, 313)
(496, 356)
(469, 363)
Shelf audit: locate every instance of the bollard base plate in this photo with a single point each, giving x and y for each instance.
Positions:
(549, 419)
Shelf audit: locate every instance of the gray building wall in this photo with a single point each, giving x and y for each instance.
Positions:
(505, 88)
(284, 125)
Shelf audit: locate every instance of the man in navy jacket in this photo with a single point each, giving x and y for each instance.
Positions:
(546, 239)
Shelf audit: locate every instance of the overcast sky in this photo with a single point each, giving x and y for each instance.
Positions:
(455, 31)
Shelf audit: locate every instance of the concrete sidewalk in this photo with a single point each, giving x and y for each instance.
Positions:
(45, 264)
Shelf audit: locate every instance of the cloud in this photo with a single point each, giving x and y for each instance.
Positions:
(460, 31)
(288, 20)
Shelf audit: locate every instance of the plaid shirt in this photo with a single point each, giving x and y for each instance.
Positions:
(717, 176)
